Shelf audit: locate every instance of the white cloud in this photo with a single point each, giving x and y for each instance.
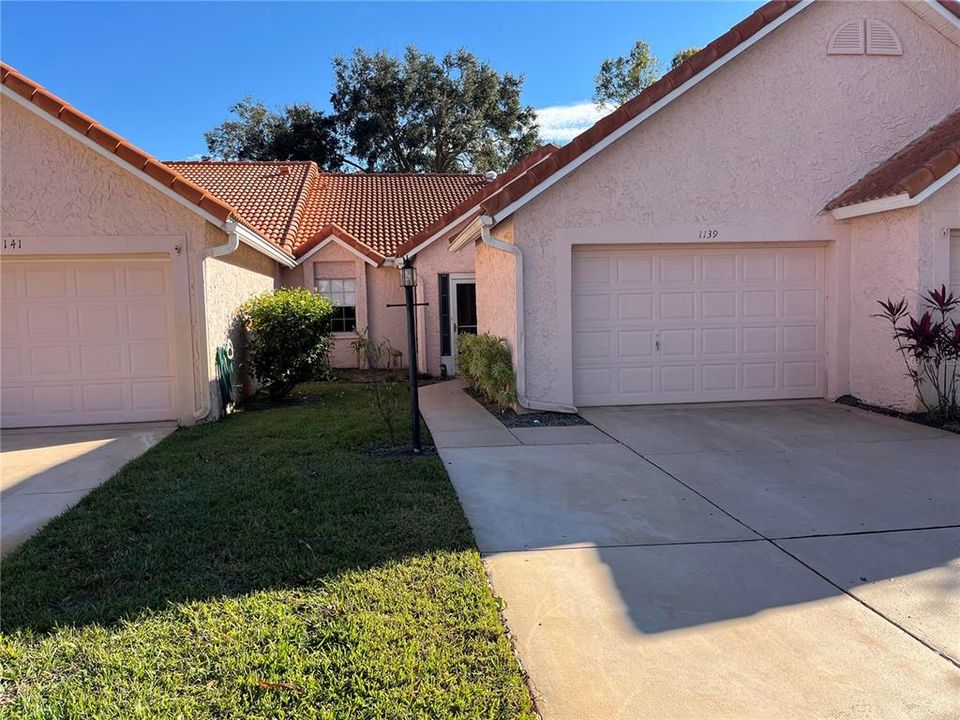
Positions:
(561, 123)
(196, 156)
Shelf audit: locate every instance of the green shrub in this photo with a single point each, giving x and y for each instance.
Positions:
(290, 338)
(483, 361)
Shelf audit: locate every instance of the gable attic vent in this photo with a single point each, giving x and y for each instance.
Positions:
(848, 39)
(881, 39)
(864, 37)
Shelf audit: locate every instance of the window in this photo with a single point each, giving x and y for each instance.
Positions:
(343, 293)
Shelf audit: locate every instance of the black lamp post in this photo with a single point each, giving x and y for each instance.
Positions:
(408, 280)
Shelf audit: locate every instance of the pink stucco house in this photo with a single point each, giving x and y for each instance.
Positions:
(722, 236)
(726, 234)
(121, 274)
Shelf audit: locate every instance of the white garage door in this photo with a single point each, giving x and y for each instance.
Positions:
(697, 324)
(86, 341)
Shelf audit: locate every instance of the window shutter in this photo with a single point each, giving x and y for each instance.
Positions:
(848, 39)
(444, 315)
(881, 39)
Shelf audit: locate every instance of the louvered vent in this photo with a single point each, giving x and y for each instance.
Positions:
(848, 39)
(881, 39)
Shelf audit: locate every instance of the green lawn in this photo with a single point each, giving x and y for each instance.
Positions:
(263, 566)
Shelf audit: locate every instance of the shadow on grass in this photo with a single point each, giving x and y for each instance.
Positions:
(279, 497)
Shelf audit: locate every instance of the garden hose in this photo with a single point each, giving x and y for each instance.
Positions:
(224, 363)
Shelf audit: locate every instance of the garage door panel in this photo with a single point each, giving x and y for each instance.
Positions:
(101, 321)
(101, 360)
(592, 307)
(153, 395)
(87, 341)
(634, 270)
(718, 305)
(635, 344)
(636, 381)
(718, 378)
(635, 306)
(97, 282)
(718, 341)
(47, 282)
(53, 400)
(678, 306)
(702, 324)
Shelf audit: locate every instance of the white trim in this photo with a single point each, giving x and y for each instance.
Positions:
(943, 12)
(249, 236)
(895, 202)
(471, 233)
(656, 107)
(327, 241)
(442, 231)
(455, 279)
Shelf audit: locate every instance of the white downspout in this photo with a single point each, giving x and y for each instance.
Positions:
(486, 223)
(233, 242)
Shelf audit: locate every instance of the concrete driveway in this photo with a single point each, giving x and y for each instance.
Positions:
(46, 471)
(768, 560)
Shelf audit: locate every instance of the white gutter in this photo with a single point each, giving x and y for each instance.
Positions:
(894, 202)
(486, 223)
(234, 235)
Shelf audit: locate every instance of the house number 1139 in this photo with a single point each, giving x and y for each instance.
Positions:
(709, 233)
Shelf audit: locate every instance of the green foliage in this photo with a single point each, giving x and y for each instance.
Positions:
(484, 363)
(419, 114)
(295, 132)
(683, 55)
(622, 78)
(265, 566)
(290, 337)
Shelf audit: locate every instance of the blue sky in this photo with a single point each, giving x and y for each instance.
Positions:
(162, 73)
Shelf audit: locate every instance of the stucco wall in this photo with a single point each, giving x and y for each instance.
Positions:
(884, 255)
(755, 150)
(497, 288)
(431, 263)
(335, 261)
(59, 194)
(230, 281)
(378, 287)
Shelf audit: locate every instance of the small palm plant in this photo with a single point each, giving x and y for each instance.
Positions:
(930, 347)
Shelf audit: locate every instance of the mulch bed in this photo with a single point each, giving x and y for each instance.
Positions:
(919, 418)
(512, 419)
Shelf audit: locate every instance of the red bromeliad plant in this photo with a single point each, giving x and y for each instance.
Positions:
(930, 347)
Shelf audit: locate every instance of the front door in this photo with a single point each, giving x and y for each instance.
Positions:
(463, 310)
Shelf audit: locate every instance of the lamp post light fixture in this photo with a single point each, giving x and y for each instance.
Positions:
(408, 280)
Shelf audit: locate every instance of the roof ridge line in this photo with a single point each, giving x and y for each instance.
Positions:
(296, 212)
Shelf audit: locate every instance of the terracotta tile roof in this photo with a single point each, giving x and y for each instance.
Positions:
(911, 170)
(110, 141)
(267, 194)
(485, 192)
(380, 211)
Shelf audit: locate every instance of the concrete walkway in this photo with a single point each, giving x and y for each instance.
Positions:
(46, 471)
(750, 561)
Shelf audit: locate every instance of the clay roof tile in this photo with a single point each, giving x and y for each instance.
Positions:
(910, 170)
